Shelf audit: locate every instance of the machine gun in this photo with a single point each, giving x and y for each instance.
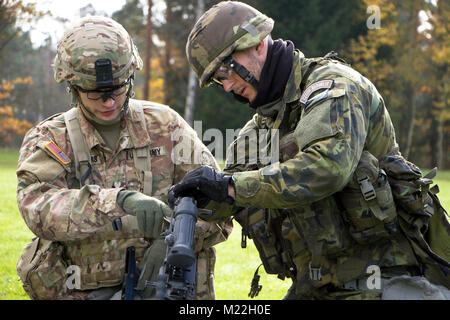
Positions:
(177, 276)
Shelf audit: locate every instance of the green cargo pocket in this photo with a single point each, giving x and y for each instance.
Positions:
(368, 203)
(369, 221)
(320, 225)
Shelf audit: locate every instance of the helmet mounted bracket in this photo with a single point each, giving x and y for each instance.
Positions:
(103, 73)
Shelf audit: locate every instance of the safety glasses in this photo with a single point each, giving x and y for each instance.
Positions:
(112, 93)
(222, 73)
(226, 69)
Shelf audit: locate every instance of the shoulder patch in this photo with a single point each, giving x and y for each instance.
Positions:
(322, 84)
(57, 152)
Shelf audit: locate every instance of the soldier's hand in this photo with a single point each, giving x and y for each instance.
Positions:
(202, 200)
(171, 197)
(205, 182)
(149, 211)
(151, 263)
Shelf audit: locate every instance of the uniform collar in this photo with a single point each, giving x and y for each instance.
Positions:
(292, 90)
(133, 133)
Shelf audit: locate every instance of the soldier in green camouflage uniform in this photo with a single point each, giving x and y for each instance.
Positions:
(323, 213)
(93, 181)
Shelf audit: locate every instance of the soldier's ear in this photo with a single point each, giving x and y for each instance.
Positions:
(262, 47)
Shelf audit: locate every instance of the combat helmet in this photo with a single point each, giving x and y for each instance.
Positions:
(96, 52)
(224, 28)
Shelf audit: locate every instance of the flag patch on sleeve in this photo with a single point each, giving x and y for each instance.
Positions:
(57, 152)
(322, 84)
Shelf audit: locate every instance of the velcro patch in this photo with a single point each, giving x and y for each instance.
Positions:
(322, 84)
(57, 152)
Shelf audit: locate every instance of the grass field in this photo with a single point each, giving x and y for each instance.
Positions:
(234, 267)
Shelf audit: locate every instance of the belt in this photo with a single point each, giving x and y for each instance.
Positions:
(365, 284)
(371, 283)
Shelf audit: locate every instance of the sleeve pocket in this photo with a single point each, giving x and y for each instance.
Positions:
(42, 165)
(315, 124)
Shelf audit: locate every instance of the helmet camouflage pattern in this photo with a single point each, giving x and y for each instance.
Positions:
(90, 39)
(224, 28)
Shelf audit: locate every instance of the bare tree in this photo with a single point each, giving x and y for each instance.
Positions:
(192, 85)
(148, 48)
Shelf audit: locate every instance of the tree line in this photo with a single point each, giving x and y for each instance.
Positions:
(406, 55)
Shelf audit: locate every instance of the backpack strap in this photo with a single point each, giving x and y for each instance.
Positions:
(141, 156)
(83, 168)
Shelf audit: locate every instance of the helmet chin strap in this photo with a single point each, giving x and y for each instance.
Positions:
(130, 94)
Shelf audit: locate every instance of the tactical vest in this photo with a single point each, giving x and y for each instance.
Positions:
(125, 229)
(83, 165)
(332, 240)
(46, 267)
(305, 243)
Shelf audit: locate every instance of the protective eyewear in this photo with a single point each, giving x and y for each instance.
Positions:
(112, 93)
(222, 73)
(227, 67)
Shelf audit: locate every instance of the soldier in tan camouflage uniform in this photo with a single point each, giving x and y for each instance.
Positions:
(323, 213)
(93, 181)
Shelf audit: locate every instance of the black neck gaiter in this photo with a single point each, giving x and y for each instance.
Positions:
(275, 73)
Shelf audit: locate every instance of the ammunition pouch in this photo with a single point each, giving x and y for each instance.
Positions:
(264, 228)
(321, 226)
(368, 203)
(42, 270)
(410, 190)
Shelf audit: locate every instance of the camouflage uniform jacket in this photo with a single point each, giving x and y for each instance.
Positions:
(328, 116)
(55, 208)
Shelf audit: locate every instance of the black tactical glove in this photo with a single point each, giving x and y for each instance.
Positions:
(171, 198)
(204, 183)
(200, 199)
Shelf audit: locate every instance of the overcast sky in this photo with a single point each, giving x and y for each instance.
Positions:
(65, 9)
